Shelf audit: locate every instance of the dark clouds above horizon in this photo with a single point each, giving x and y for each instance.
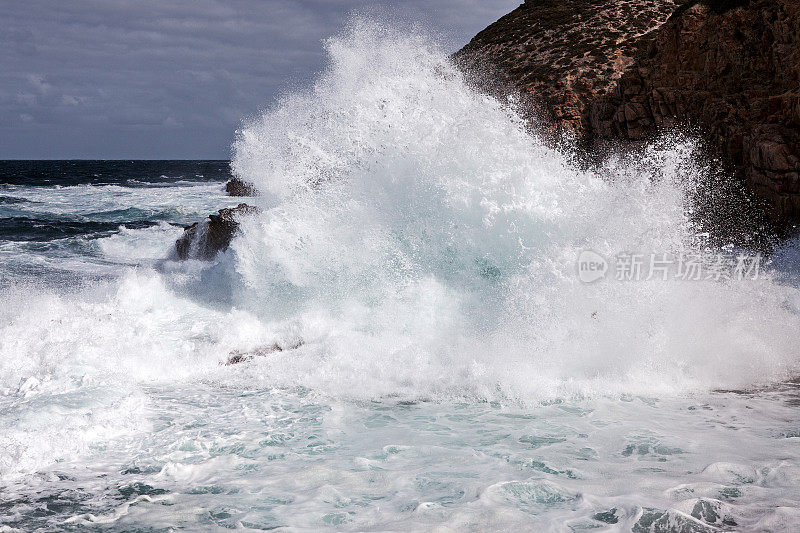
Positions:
(174, 78)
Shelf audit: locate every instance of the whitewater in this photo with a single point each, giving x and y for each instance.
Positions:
(420, 353)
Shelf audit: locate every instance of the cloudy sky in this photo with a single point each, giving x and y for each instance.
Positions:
(173, 78)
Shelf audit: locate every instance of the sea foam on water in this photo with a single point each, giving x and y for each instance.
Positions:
(415, 256)
(427, 240)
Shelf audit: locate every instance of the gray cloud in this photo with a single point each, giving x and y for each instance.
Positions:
(173, 78)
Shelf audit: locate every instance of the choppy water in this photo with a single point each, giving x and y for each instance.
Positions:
(61, 221)
(417, 246)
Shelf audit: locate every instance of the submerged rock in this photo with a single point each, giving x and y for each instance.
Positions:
(237, 356)
(237, 187)
(204, 240)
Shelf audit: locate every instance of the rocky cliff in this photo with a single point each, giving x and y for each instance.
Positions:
(624, 70)
(562, 54)
(734, 75)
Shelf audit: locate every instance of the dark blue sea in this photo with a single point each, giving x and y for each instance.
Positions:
(60, 219)
(24, 186)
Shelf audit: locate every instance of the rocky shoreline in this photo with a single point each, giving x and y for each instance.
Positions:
(733, 74)
(606, 71)
(559, 55)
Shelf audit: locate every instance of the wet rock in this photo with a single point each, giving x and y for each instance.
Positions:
(734, 73)
(622, 71)
(237, 187)
(204, 240)
(237, 356)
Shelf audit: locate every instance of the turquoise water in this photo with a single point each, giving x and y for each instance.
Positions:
(216, 456)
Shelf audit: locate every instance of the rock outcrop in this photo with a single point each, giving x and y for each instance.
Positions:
(606, 70)
(238, 356)
(237, 187)
(561, 54)
(204, 240)
(734, 74)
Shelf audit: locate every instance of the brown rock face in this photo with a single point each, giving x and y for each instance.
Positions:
(204, 240)
(735, 74)
(562, 54)
(604, 69)
(237, 187)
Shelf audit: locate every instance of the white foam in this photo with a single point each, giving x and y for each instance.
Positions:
(421, 244)
(435, 251)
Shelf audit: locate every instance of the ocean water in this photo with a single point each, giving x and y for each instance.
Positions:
(419, 351)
